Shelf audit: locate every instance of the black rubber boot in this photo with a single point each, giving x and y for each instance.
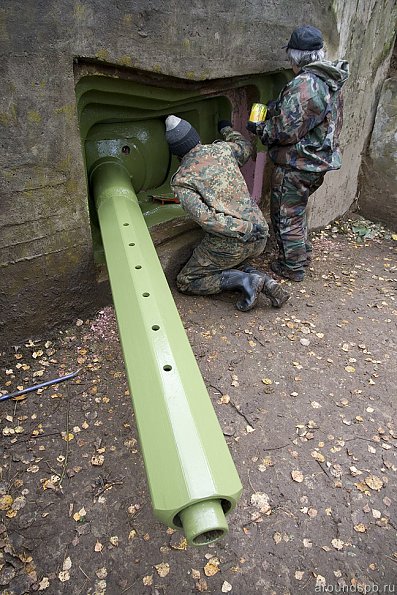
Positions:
(273, 290)
(250, 286)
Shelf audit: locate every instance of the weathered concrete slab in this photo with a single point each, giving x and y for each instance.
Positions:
(378, 196)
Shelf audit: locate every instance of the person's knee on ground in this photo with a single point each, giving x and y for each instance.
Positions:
(205, 285)
(249, 284)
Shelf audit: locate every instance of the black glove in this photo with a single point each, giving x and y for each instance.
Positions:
(258, 233)
(223, 123)
(251, 126)
(271, 107)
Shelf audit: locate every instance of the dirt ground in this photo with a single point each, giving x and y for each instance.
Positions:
(306, 397)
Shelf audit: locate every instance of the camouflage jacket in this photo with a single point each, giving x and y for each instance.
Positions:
(304, 124)
(212, 189)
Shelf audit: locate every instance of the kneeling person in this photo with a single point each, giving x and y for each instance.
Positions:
(212, 190)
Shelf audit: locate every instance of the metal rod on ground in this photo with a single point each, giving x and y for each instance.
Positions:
(31, 389)
(191, 475)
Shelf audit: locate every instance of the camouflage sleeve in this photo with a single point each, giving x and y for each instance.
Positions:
(241, 147)
(208, 218)
(301, 108)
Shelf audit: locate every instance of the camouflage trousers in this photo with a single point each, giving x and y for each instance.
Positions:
(290, 192)
(201, 275)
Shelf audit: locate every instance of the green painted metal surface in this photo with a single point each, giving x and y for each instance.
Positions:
(115, 101)
(192, 478)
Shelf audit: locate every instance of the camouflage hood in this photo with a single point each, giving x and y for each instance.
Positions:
(335, 74)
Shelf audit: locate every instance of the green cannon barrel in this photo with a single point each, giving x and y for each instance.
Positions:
(192, 479)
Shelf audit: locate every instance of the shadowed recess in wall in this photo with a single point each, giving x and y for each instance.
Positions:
(134, 111)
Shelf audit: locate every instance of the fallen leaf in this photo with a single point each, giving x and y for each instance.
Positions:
(362, 487)
(318, 456)
(97, 460)
(299, 574)
(78, 516)
(6, 502)
(179, 545)
(212, 567)
(337, 544)
(354, 471)
(373, 482)
(315, 405)
(98, 547)
(64, 576)
(201, 585)
(261, 501)
(350, 369)
(297, 476)
(266, 463)
(277, 537)
(360, 528)
(224, 400)
(162, 569)
(148, 580)
(101, 573)
(226, 587)
(44, 583)
(267, 381)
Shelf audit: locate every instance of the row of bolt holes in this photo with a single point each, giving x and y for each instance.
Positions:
(155, 327)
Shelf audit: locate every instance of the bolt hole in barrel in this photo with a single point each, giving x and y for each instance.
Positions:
(125, 224)
(155, 327)
(145, 294)
(131, 244)
(167, 368)
(138, 266)
(126, 150)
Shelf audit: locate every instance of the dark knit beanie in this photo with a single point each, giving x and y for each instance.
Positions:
(180, 135)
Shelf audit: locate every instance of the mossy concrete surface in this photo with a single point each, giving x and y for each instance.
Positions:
(46, 260)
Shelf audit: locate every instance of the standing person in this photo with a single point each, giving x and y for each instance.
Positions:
(301, 130)
(212, 190)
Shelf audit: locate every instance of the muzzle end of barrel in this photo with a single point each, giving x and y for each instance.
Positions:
(203, 522)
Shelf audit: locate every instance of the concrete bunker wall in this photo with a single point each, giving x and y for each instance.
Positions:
(377, 197)
(47, 267)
